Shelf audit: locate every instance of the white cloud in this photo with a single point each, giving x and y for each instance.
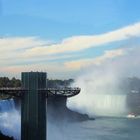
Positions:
(78, 43)
(29, 51)
(75, 65)
(29, 47)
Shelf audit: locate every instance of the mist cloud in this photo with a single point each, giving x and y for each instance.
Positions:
(100, 85)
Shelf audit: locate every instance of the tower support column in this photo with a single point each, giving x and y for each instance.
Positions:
(33, 106)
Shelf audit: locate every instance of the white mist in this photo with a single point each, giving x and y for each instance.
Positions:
(10, 119)
(100, 95)
(101, 92)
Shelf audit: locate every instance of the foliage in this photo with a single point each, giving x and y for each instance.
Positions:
(6, 82)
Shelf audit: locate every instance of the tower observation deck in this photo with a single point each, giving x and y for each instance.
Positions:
(8, 92)
(33, 95)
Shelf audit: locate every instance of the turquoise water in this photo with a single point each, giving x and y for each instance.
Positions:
(102, 128)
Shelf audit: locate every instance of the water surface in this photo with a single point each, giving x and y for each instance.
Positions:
(103, 128)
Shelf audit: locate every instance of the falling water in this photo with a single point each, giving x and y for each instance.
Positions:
(9, 119)
(101, 105)
(7, 105)
(109, 105)
(100, 94)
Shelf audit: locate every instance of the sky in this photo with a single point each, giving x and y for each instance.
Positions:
(64, 37)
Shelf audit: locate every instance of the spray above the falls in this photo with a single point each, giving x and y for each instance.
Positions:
(102, 91)
(10, 119)
(99, 95)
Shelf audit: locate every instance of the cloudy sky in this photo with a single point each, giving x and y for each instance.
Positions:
(63, 37)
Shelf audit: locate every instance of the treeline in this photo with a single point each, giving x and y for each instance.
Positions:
(134, 83)
(128, 84)
(6, 82)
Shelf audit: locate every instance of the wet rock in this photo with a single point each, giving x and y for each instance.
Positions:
(3, 137)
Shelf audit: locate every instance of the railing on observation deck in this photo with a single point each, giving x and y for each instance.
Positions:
(7, 92)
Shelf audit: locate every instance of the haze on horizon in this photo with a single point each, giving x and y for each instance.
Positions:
(66, 37)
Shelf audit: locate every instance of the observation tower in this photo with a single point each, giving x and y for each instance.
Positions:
(33, 95)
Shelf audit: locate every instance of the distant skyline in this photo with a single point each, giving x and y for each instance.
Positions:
(64, 37)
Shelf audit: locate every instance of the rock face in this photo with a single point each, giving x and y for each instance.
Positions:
(57, 110)
(3, 137)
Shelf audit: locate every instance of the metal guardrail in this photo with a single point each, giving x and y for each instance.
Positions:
(11, 92)
(19, 91)
(66, 92)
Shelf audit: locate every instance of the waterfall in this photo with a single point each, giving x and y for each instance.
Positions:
(7, 105)
(109, 105)
(101, 93)
(10, 119)
(100, 104)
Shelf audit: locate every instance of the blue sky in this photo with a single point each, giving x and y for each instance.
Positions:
(42, 24)
(58, 19)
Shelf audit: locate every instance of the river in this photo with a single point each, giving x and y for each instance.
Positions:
(103, 128)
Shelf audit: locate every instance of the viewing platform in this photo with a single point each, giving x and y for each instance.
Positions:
(33, 94)
(7, 92)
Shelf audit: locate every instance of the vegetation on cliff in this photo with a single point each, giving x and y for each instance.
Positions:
(6, 82)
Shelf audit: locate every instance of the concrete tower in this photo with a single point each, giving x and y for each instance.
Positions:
(33, 108)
